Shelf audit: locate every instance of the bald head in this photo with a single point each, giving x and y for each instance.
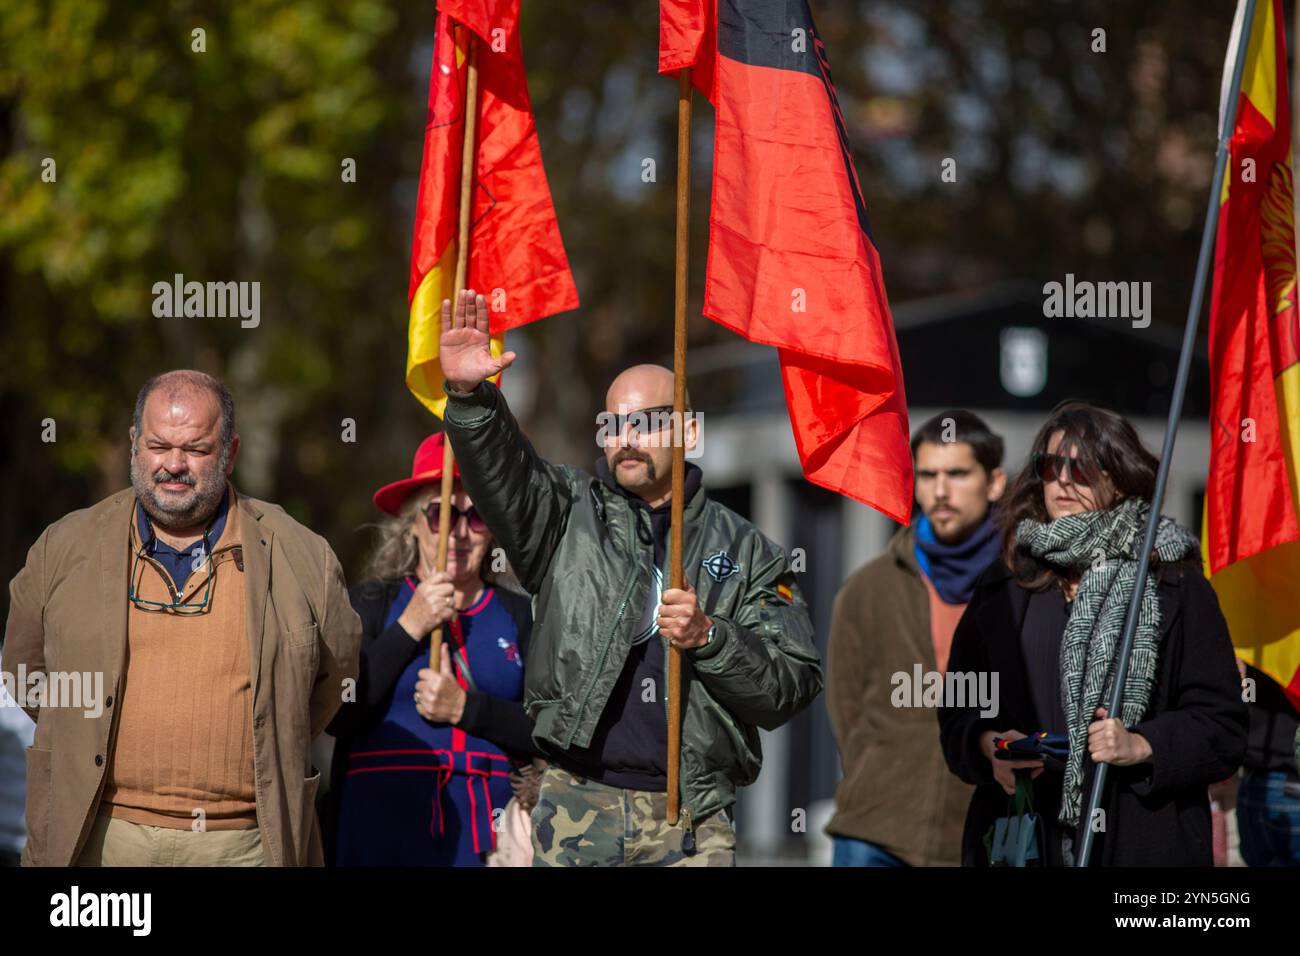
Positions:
(641, 386)
(189, 386)
(640, 455)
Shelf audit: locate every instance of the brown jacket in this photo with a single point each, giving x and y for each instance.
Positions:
(68, 612)
(896, 791)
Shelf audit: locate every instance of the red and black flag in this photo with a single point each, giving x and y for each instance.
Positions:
(791, 260)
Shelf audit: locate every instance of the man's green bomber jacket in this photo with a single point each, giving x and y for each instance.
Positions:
(576, 547)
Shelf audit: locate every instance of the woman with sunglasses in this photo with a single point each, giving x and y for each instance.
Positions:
(424, 757)
(1048, 618)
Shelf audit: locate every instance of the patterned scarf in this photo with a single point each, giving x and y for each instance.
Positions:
(1104, 546)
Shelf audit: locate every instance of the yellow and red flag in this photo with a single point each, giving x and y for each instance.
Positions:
(516, 256)
(792, 262)
(1251, 544)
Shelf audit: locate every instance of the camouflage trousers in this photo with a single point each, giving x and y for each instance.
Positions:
(579, 822)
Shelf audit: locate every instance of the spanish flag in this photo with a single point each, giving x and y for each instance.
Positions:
(1251, 545)
(516, 257)
(792, 262)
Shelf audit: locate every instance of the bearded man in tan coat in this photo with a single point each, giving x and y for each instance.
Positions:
(190, 642)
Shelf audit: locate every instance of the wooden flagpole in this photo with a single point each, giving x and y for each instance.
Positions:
(676, 578)
(462, 269)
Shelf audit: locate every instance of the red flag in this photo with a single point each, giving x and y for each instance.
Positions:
(516, 256)
(791, 259)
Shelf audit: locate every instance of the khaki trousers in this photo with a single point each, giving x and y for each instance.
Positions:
(115, 842)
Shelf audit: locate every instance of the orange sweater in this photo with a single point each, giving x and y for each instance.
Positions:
(184, 737)
(943, 624)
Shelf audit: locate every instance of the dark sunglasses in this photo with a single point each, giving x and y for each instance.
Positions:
(1051, 467)
(644, 421)
(433, 511)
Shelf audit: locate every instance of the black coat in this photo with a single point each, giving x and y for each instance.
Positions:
(1158, 813)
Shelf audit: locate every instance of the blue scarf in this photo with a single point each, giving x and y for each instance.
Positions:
(953, 568)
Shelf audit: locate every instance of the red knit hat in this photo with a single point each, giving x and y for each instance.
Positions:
(426, 468)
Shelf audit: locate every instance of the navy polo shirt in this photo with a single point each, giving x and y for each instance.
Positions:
(180, 564)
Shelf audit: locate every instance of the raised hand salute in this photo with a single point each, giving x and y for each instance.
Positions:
(583, 543)
(465, 347)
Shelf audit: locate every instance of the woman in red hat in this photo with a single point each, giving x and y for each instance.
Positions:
(423, 760)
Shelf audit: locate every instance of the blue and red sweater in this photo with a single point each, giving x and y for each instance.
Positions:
(407, 792)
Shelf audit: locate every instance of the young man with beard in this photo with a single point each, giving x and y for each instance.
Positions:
(897, 803)
(224, 635)
(593, 552)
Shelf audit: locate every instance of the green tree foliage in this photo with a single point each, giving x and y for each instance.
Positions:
(221, 165)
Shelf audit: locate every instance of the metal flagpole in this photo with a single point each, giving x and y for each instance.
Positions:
(1227, 122)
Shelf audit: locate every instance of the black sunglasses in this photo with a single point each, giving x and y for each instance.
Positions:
(433, 511)
(1051, 467)
(644, 421)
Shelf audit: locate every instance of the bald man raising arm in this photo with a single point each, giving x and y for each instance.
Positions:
(593, 551)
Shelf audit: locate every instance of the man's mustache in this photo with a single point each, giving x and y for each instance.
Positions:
(184, 477)
(626, 454)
